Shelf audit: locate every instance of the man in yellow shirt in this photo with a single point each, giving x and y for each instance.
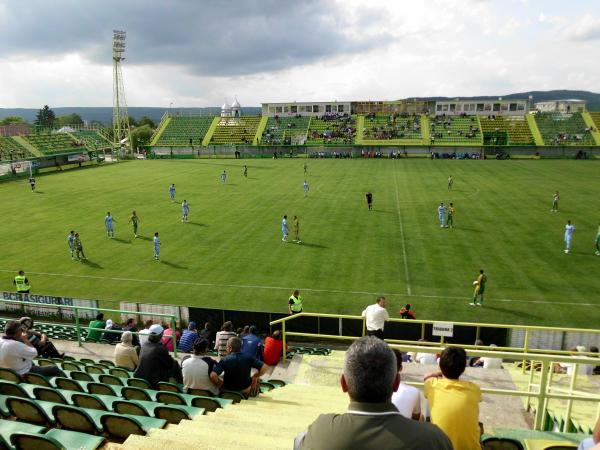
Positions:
(454, 403)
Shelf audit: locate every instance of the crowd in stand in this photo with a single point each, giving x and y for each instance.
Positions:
(340, 129)
(441, 127)
(397, 127)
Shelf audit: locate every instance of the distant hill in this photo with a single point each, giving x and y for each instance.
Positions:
(104, 114)
(592, 99)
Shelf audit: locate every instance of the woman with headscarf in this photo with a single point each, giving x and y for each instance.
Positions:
(111, 337)
(39, 340)
(126, 355)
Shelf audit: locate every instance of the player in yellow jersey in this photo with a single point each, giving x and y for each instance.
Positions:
(479, 289)
(450, 216)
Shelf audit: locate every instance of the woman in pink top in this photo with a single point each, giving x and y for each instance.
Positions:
(167, 341)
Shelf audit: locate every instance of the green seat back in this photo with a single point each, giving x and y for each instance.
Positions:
(28, 411)
(36, 378)
(133, 393)
(67, 384)
(121, 427)
(172, 398)
(110, 379)
(49, 395)
(201, 392)
(107, 362)
(87, 361)
(170, 414)
(9, 375)
(125, 407)
(88, 401)
(13, 389)
(75, 440)
(139, 383)
(35, 441)
(100, 389)
(9, 428)
(168, 387)
(235, 396)
(45, 362)
(70, 366)
(94, 369)
(72, 418)
(209, 404)
(81, 376)
(121, 373)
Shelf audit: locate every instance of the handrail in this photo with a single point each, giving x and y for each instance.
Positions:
(543, 392)
(76, 309)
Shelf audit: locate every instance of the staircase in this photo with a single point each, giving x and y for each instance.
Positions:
(162, 127)
(271, 421)
(360, 130)
(23, 143)
(259, 131)
(589, 122)
(535, 131)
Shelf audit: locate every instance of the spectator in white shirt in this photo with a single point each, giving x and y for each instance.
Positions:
(424, 357)
(488, 362)
(375, 316)
(143, 334)
(406, 399)
(197, 368)
(17, 353)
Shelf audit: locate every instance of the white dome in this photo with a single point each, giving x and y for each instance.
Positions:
(225, 107)
(236, 104)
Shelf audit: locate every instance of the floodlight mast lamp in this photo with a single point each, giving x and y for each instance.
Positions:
(121, 130)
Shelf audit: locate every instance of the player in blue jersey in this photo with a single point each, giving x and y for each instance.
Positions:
(108, 223)
(441, 213)
(284, 229)
(223, 176)
(156, 246)
(172, 192)
(71, 243)
(569, 230)
(185, 208)
(305, 188)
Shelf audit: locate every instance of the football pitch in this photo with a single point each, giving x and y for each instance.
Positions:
(230, 255)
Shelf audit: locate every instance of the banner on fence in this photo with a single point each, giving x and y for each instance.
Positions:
(49, 310)
(445, 329)
(181, 312)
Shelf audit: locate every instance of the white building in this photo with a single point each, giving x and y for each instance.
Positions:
(565, 106)
(305, 108)
(497, 107)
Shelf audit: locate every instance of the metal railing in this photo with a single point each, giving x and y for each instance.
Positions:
(172, 318)
(542, 390)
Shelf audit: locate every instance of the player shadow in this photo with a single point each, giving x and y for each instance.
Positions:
(311, 244)
(384, 211)
(122, 241)
(144, 238)
(517, 311)
(39, 192)
(92, 264)
(173, 265)
(475, 230)
(198, 224)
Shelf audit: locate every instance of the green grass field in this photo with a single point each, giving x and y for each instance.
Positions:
(231, 256)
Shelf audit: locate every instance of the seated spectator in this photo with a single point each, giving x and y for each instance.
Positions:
(131, 325)
(168, 338)
(596, 370)
(198, 367)
(473, 359)
(143, 336)
(592, 443)
(488, 362)
(406, 399)
(424, 357)
(237, 368)
(406, 313)
(155, 362)
(17, 352)
(126, 355)
(223, 337)
(583, 369)
(372, 422)
(208, 333)
(244, 332)
(251, 342)
(96, 327)
(111, 337)
(39, 340)
(188, 338)
(454, 403)
(273, 349)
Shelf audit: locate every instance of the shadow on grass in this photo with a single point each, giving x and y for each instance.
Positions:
(92, 264)
(309, 244)
(474, 230)
(516, 312)
(144, 238)
(198, 224)
(122, 241)
(173, 265)
(39, 192)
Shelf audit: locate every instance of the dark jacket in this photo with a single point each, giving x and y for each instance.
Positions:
(156, 364)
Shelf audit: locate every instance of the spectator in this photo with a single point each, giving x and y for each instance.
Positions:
(454, 403)
(208, 333)
(593, 442)
(17, 353)
(126, 355)
(372, 422)
(406, 399)
(39, 340)
(584, 369)
(375, 316)
(111, 337)
(596, 370)
(425, 357)
(95, 328)
(473, 359)
(245, 331)
(168, 338)
(251, 342)
(155, 362)
(198, 367)
(488, 362)
(131, 325)
(273, 349)
(406, 313)
(237, 368)
(143, 336)
(188, 338)
(222, 338)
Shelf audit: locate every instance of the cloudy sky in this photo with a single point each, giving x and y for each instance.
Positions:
(200, 52)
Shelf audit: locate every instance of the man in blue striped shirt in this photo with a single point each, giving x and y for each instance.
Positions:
(187, 339)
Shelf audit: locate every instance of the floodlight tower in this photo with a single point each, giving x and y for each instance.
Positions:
(121, 131)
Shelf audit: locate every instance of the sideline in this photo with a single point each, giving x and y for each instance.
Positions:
(404, 257)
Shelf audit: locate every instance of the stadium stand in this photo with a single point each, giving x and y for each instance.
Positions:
(455, 130)
(401, 129)
(10, 149)
(564, 129)
(235, 131)
(596, 118)
(180, 130)
(514, 128)
(285, 130)
(49, 144)
(91, 139)
(332, 129)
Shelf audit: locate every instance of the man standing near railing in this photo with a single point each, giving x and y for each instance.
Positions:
(22, 283)
(295, 303)
(375, 316)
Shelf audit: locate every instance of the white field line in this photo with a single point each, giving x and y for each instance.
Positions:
(404, 258)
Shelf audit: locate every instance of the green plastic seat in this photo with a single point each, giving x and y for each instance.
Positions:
(9, 375)
(75, 419)
(139, 383)
(88, 401)
(13, 389)
(44, 362)
(87, 361)
(107, 362)
(168, 387)
(36, 378)
(57, 440)
(110, 379)
(120, 372)
(133, 393)
(80, 376)
(235, 396)
(174, 414)
(71, 366)
(68, 384)
(101, 389)
(49, 395)
(170, 398)
(277, 383)
(120, 427)
(10, 427)
(132, 408)
(207, 403)
(30, 411)
(94, 369)
(265, 386)
(200, 392)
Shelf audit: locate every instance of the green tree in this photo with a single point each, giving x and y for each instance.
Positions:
(145, 120)
(8, 120)
(141, 136)
(68, 119)
(45, 117)
(132, 122)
